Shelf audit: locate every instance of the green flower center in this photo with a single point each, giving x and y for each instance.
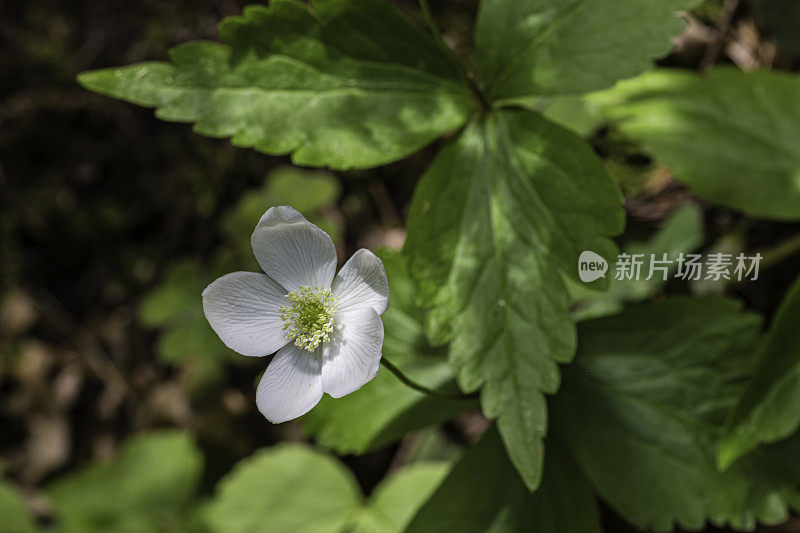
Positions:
(309, 318)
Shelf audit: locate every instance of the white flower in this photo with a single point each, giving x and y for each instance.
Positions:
(327, 331)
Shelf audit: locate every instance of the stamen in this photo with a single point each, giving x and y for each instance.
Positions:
(309, 318)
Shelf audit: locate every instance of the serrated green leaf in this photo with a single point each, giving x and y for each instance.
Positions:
(291, 487)
(528, 48)
(344, 83)
(483, 493)
(385, 409)
(730, 136)
(506, 207)
(769, 408)
(143, 489)
(14, 514)
(642, 407)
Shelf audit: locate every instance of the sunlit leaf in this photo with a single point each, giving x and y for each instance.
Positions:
(291, 487)
(286, 488)
(397, 498)
(342, 83)
(531, 48)
(730, 136)
(503, 211)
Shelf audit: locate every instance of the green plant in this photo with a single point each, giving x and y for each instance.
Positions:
(496, 228)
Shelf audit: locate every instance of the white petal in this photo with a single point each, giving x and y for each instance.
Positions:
(242, 308)
(362, 283)
(292, 250)
(291, 386)
(352, 356)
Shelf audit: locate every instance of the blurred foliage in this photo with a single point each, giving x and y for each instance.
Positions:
(293, 488)
(148, 487)
(14, 515)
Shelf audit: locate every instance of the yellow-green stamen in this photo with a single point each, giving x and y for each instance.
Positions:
(309, 318)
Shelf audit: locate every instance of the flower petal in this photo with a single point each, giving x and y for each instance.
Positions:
(362, 283)
(242, 308)
(352, 356)
(292, 250)
(291, 386)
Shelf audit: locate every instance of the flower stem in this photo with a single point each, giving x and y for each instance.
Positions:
(423, 389)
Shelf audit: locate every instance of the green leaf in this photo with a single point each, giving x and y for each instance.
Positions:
(397, 498)
(531, 48)
(14, 514)
(286, 488)
(682, 232)
(769, 408)
(575, 113)
(385, 409)
(143, 489)
(730, 136)
(507, 206)
(563, 504)
(291, 487)
(642, 407)
(344, 83)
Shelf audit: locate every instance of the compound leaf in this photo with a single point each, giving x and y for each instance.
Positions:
(505, 208)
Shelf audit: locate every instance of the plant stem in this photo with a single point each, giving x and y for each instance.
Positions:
(426, 12)
(423, 389)
(466, 71)
(778, 253)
